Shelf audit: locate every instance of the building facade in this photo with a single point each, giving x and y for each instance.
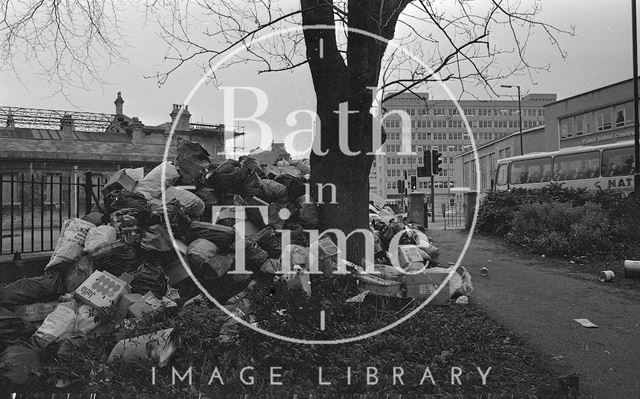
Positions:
(466, 177)
(55, 148)
(600, 116)
(437, 124)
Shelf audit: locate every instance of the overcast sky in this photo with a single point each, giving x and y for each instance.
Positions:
(599, 54)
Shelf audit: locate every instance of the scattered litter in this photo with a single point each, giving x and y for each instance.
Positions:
(586, 323)
(462, 300)
(358, 298)
(606, 276)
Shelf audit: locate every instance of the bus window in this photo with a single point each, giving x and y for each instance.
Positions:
(531, 171)
(618, 162)
(501, 179)
(576, 166)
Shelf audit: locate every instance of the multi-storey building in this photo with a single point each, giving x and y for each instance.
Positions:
(438, 124)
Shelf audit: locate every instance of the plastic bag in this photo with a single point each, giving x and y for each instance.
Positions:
(218, 264)
(179, 220)
(19, 359)
(76, 273)
(11, 326)
(192, 203)
(390, 230)
(271, 190)
(149, 278)
(156, 238)
(302, 166)
(249, 163)
(98, 237)
(70, 244)
(294, 184)
(251, 183)
(31, 290)
(307, 214)
(85, 319)
(191, 162)
(222, 236)
(115, 258)
(96, 218)
(150, 185)
(129, 224)
(227, 178)
(58, 325)
(199, 251)
(123, 199)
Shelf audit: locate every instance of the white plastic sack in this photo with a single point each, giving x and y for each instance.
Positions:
(99, 236)
(193, 204)
(149, 186)
(70, 244)
(136, 174)
(85, 319)
(460, 282)
(58, 325)
(298, 255)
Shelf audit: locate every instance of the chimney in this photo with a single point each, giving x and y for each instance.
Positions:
(67, 127)
(137, 137)
(10, 121)
(119, 101)
(185, 119)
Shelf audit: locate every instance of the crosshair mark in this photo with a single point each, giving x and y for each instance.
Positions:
(322, 320)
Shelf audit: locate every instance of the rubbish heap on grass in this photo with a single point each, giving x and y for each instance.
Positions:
(120, 265)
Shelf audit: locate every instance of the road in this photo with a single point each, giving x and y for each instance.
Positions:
(539, 304)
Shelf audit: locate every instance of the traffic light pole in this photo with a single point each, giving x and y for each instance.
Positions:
(433, 201)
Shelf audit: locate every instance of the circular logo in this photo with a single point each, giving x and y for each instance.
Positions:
(284, 213)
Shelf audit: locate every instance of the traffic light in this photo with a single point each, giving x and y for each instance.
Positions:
(427, 172)
(414, 183)
(401, 186)
(436, 161)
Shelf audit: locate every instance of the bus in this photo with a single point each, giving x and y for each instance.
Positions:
(605, 166)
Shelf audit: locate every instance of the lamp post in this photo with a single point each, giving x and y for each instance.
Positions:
(519, 113)
(636, 122)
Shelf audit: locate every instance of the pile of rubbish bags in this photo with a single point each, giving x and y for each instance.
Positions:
(119, 263)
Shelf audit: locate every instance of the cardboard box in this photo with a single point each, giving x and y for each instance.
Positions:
(101, 289)
(424, 284)
(120, 180)
(35, 311)
(379, 286)
(408, 256)
(327, 248)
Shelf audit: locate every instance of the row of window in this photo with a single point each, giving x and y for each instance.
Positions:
(400, 173)
(393, 185)
(459, 124)
(616, 162)
(597, 121)
(412, 161)
(485, 111)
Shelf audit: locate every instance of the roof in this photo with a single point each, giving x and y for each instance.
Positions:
(46, 144)
(569, 150)
(590, 91)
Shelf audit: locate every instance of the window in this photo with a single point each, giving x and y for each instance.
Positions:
(603, 119)
(618, 162)
(531, 171)
(624, 114)
(566, 127)
(502, 175)
(576, 166)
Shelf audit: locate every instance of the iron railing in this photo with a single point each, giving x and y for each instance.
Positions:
(32, 209)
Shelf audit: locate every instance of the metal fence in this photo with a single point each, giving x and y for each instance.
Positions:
(454, 216)
(34, 208)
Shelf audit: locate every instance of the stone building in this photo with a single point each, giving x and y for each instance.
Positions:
(54, 147)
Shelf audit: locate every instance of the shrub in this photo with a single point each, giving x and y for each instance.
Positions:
(561, 229)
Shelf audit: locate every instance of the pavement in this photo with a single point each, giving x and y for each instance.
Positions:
(539, 303)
